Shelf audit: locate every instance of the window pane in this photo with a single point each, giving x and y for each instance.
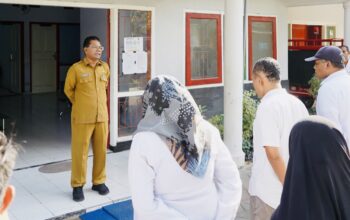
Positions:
(204, 57)
(262, 40)
(134, 24)
(130, 113)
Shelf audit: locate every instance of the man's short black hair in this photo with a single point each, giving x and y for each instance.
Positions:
(269, 67)
(88, 40)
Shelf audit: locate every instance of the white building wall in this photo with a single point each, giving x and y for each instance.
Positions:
(274, 8)
(169, 27)
(170, 33)
(329, 15)
(169, 48)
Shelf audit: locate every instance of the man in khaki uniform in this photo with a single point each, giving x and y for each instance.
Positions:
(86, 87)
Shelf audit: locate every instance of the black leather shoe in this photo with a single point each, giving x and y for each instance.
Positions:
(102, 189)
(78, 194)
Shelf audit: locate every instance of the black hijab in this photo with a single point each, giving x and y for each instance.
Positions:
(317, 184)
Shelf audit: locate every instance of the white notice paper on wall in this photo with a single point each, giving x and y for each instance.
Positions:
(133, 44)
(129, 63)
(141, 62)
(134, 62)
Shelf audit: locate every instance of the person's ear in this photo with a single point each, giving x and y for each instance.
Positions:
(85, 50)
(9, 194)
(328, 64)
(261, 80)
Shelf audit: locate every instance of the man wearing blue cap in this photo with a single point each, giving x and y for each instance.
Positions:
(333, 100)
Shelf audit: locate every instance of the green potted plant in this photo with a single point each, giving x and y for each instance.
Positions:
(250, 104)
(315, 84)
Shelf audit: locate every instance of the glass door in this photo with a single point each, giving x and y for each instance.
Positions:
(134, 67)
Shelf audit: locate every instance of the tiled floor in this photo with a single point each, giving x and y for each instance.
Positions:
(41, 125)
(47, 195)
(42, 196)
(35, 120)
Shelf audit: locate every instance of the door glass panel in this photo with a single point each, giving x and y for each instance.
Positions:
(331, 32)
(262, 40)
(130, 113)
(204, 42)
(134, 49)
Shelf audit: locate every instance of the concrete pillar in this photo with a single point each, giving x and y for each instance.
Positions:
(233, 78)
(113, 102)
(347, 23)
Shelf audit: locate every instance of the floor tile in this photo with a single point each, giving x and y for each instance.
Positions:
(51, 193)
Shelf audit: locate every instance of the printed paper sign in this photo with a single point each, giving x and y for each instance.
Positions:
(133, 44)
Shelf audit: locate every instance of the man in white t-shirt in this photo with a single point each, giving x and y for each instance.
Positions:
(333, 99)
(275, 117)
(346, 57)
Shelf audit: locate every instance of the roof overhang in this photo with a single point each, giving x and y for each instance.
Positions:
(294, 3)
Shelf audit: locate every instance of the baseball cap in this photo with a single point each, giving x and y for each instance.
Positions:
(331, 53)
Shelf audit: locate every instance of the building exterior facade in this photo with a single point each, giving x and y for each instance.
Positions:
(210, 46)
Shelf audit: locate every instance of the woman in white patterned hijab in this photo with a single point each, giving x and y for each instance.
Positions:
(169, 110)
(179, 168)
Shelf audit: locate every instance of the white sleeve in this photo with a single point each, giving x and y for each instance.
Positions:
(326, 106)
(266, 128)
(141, 178)
(228, 184)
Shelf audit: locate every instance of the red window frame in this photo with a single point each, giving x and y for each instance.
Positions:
(218, 79)
(252, 19)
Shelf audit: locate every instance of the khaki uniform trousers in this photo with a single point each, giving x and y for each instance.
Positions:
(81, 136)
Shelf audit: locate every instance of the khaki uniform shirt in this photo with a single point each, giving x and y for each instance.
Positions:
(86, 88)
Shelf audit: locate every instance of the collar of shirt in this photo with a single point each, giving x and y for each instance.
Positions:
(86, 62)
(334, 75)
(273, 92)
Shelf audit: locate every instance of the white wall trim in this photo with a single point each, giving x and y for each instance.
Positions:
(247, 81)
(125, 138)
(60, 3)
(262, 15)
(114, 77)
(206, 86)
(135, 7)
(313, 3)
(130, 94)
(76, 4)
(204, 11)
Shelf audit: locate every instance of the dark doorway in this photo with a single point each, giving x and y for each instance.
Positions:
(11, 58)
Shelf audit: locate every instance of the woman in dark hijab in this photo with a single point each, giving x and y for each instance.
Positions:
(317, 185)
